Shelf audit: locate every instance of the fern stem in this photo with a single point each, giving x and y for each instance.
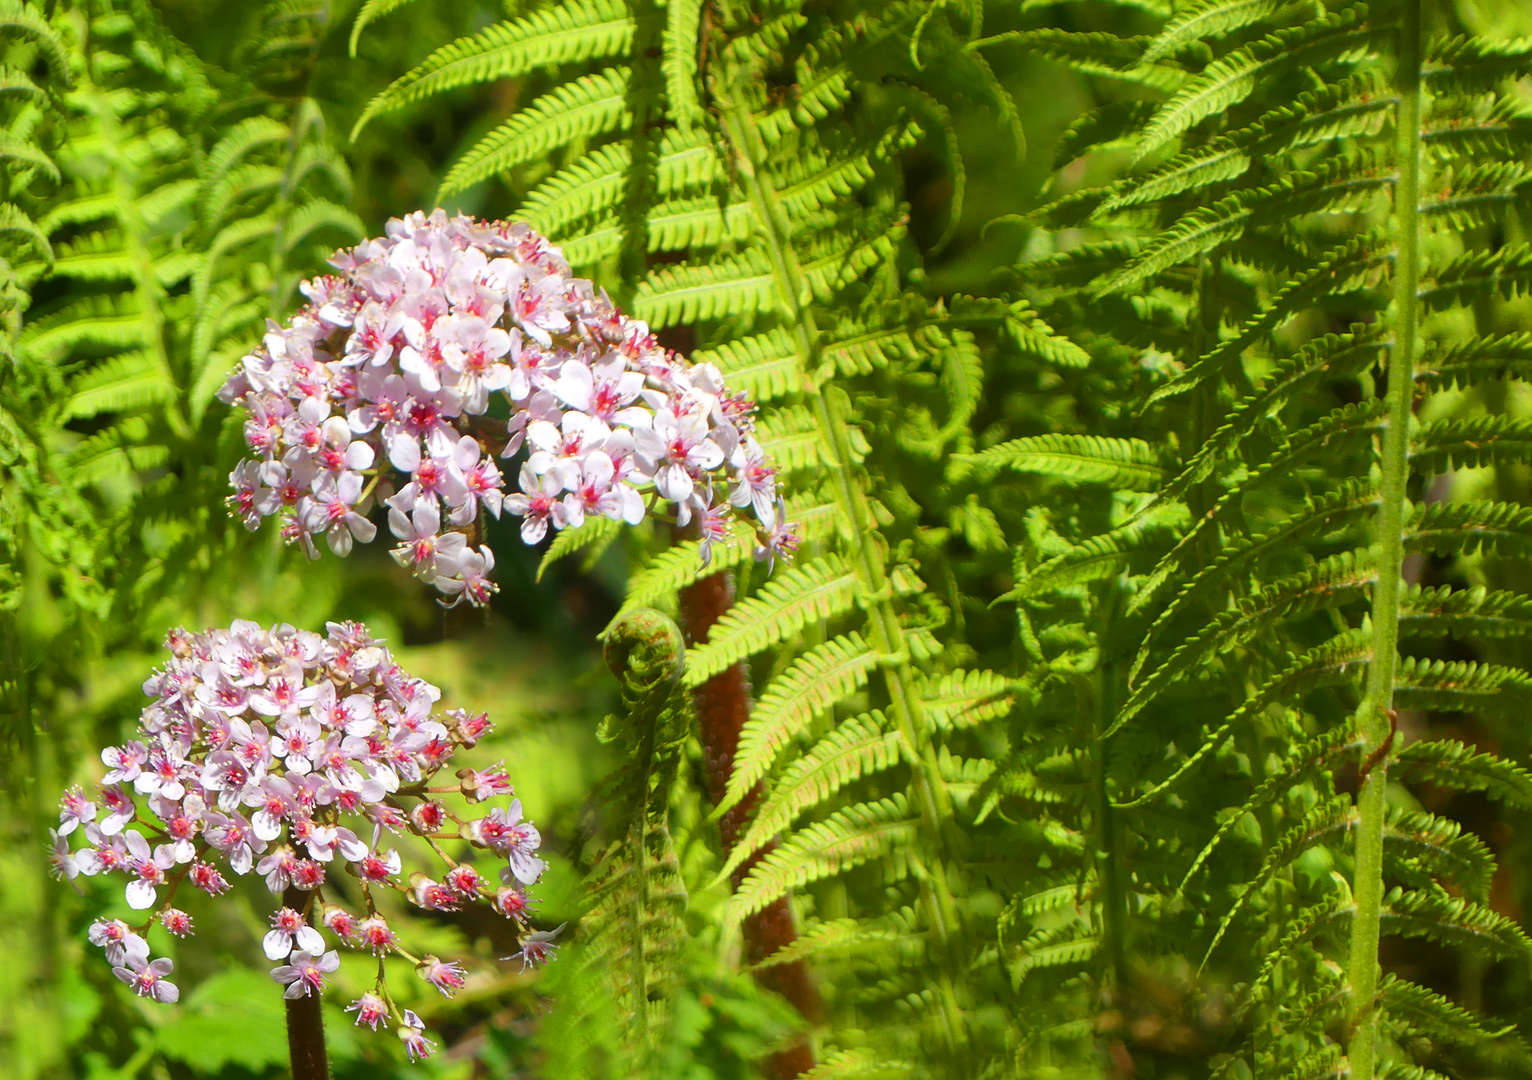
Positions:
(929, 793)
(1377, 705)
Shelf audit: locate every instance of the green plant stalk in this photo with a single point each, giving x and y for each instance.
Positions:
(1377, 705)
(931, 797)
(1112, 867)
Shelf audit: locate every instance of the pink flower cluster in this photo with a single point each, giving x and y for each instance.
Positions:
(388, 375)
(296, 756)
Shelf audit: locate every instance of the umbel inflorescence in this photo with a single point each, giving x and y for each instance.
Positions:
(381, 389)
(300, 757)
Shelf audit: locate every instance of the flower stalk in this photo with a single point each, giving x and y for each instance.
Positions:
(305, 1020)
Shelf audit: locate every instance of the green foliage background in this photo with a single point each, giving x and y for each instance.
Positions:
(1149, 695)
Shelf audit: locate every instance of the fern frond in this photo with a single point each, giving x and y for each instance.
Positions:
(1455, 921)
(1470, 443)
(589, 106)
(1463, 686)
(371, 12)
(836, 938)
(818, 590)
(1311, 756)
(1506, 272)
(24, 21)
(1318, 826)
(855, 748)
(570, 33)
(597, 532)
(1443, 850)
(1445, 528)
(593, 186)
(814, 682)
(1233, 78)
(123, 382)
(765, 366)
(846, 839)
(680, 565)
(683, 20)
(1500, 356)
(1209, 19)
(1339, 579)
(1459, 766)
(723, 287)
(1127, 464)
(963, 699)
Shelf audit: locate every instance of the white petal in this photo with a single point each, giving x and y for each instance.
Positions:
(277, 945)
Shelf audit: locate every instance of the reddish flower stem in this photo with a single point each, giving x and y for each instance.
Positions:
(305, 1023)
(723, 706)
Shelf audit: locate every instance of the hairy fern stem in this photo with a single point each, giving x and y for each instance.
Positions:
(831, 416)
(1377, 705)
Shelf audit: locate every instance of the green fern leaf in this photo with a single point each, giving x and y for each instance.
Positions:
(569, 33)
(1319, 825)
(1455, 921)
(1463, 686)
(1443, 849)
(1474, 361)
(1458, 766)
(813, 684)
(815, 591)
(1209, 19)
(837, 938)
(1233, 78)
(1474, 274)
(963, 699)
(679, 566)
(846, 839)
(594, 186)
(123, 382)
(24, 21)
(1335, 581)
(372, 11)
(597, 532)
(683, 20)
(765, 366)
(726, 286)
(1444, 528)
(590, 106)
(1127, 464)
(855, 748)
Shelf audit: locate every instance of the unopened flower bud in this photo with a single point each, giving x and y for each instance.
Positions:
(428, 817)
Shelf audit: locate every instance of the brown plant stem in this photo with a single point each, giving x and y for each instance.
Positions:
(305, 1022)
(723, 706)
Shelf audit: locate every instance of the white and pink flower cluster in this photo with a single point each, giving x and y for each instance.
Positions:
(382, 387)
(297, 756)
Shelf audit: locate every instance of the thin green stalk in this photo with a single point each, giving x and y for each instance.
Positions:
(1111, 864)
(1377, 705)
(930, 796)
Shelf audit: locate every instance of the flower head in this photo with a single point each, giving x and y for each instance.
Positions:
(287, 754)
(382, 380)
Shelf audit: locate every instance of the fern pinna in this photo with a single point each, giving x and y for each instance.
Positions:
(1306, 257)
(735, 162)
